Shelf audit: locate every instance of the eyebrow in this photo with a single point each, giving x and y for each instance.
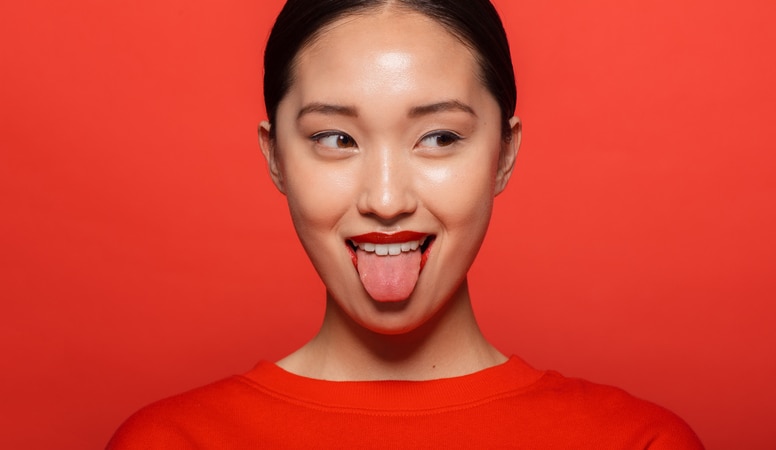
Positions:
(450, 105)
(417, 111)
(329, 110)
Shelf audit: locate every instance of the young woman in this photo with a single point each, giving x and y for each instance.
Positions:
(391, 129)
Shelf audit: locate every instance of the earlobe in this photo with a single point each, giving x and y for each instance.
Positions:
(509, 148)
(268, 149)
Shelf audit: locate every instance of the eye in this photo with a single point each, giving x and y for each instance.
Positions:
(439, 139)
(334, 139)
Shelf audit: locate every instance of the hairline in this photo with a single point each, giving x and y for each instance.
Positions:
(401, 6)
(363, 11)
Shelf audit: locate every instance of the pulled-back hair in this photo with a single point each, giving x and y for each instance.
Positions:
(475, 22)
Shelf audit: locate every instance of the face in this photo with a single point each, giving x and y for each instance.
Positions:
(390, 152)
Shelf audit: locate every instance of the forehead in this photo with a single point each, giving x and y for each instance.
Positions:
(388, 52)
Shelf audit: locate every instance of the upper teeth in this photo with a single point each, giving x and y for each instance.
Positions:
(389, 249)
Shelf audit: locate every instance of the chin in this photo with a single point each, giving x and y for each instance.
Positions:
(397, 317)
(391, 324)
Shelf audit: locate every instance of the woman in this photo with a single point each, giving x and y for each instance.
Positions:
(391, 129)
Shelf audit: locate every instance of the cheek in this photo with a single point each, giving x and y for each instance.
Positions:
(317, 196)
(461, 195)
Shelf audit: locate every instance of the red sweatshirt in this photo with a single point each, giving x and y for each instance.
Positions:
(507, 406)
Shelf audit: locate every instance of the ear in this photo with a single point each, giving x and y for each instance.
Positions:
(509, 148)
(269, 150)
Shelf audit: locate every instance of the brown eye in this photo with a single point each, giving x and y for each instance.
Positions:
(335, 140)
(439, 139)
(345, 141)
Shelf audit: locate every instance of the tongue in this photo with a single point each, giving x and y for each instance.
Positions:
(389, 278)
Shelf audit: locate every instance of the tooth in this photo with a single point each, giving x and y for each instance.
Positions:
(389, 249)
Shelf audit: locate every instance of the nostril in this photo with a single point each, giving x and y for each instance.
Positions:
(387, 207)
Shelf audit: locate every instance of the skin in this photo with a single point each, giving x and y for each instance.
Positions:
(388, 128)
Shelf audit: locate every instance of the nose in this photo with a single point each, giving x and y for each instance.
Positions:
(386, 191)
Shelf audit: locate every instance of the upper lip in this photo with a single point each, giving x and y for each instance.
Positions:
(386, 238)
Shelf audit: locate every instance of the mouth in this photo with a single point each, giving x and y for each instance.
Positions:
(391, 244)
(389, 265)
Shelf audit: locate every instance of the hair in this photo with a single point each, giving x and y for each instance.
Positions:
(475, 22)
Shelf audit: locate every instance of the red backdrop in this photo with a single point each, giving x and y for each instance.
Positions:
(145, 252)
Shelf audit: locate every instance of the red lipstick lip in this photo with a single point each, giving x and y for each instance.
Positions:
(395, 238)
(384, 238)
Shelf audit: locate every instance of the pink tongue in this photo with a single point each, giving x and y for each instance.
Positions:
(389, 278)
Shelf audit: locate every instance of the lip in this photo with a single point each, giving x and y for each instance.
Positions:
(385, 238)
(392, 238)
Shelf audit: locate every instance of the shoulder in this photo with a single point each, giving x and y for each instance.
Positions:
(580, 404)
(179, 422)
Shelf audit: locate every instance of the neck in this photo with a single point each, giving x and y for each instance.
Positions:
(448, 344)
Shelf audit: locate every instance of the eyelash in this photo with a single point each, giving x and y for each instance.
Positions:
(318, 137)
(351, 143)
(453, 137)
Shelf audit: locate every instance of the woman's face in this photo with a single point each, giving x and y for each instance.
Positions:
(389, 150)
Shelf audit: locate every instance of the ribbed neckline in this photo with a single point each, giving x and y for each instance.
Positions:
(508, 378)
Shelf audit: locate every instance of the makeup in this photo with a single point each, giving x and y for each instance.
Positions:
(408, 203)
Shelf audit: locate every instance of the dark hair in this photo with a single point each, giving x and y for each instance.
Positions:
(475, 22)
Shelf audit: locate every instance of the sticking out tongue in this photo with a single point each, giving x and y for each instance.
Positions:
(389, 278)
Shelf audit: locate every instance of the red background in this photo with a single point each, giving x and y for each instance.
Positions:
(145, 252)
